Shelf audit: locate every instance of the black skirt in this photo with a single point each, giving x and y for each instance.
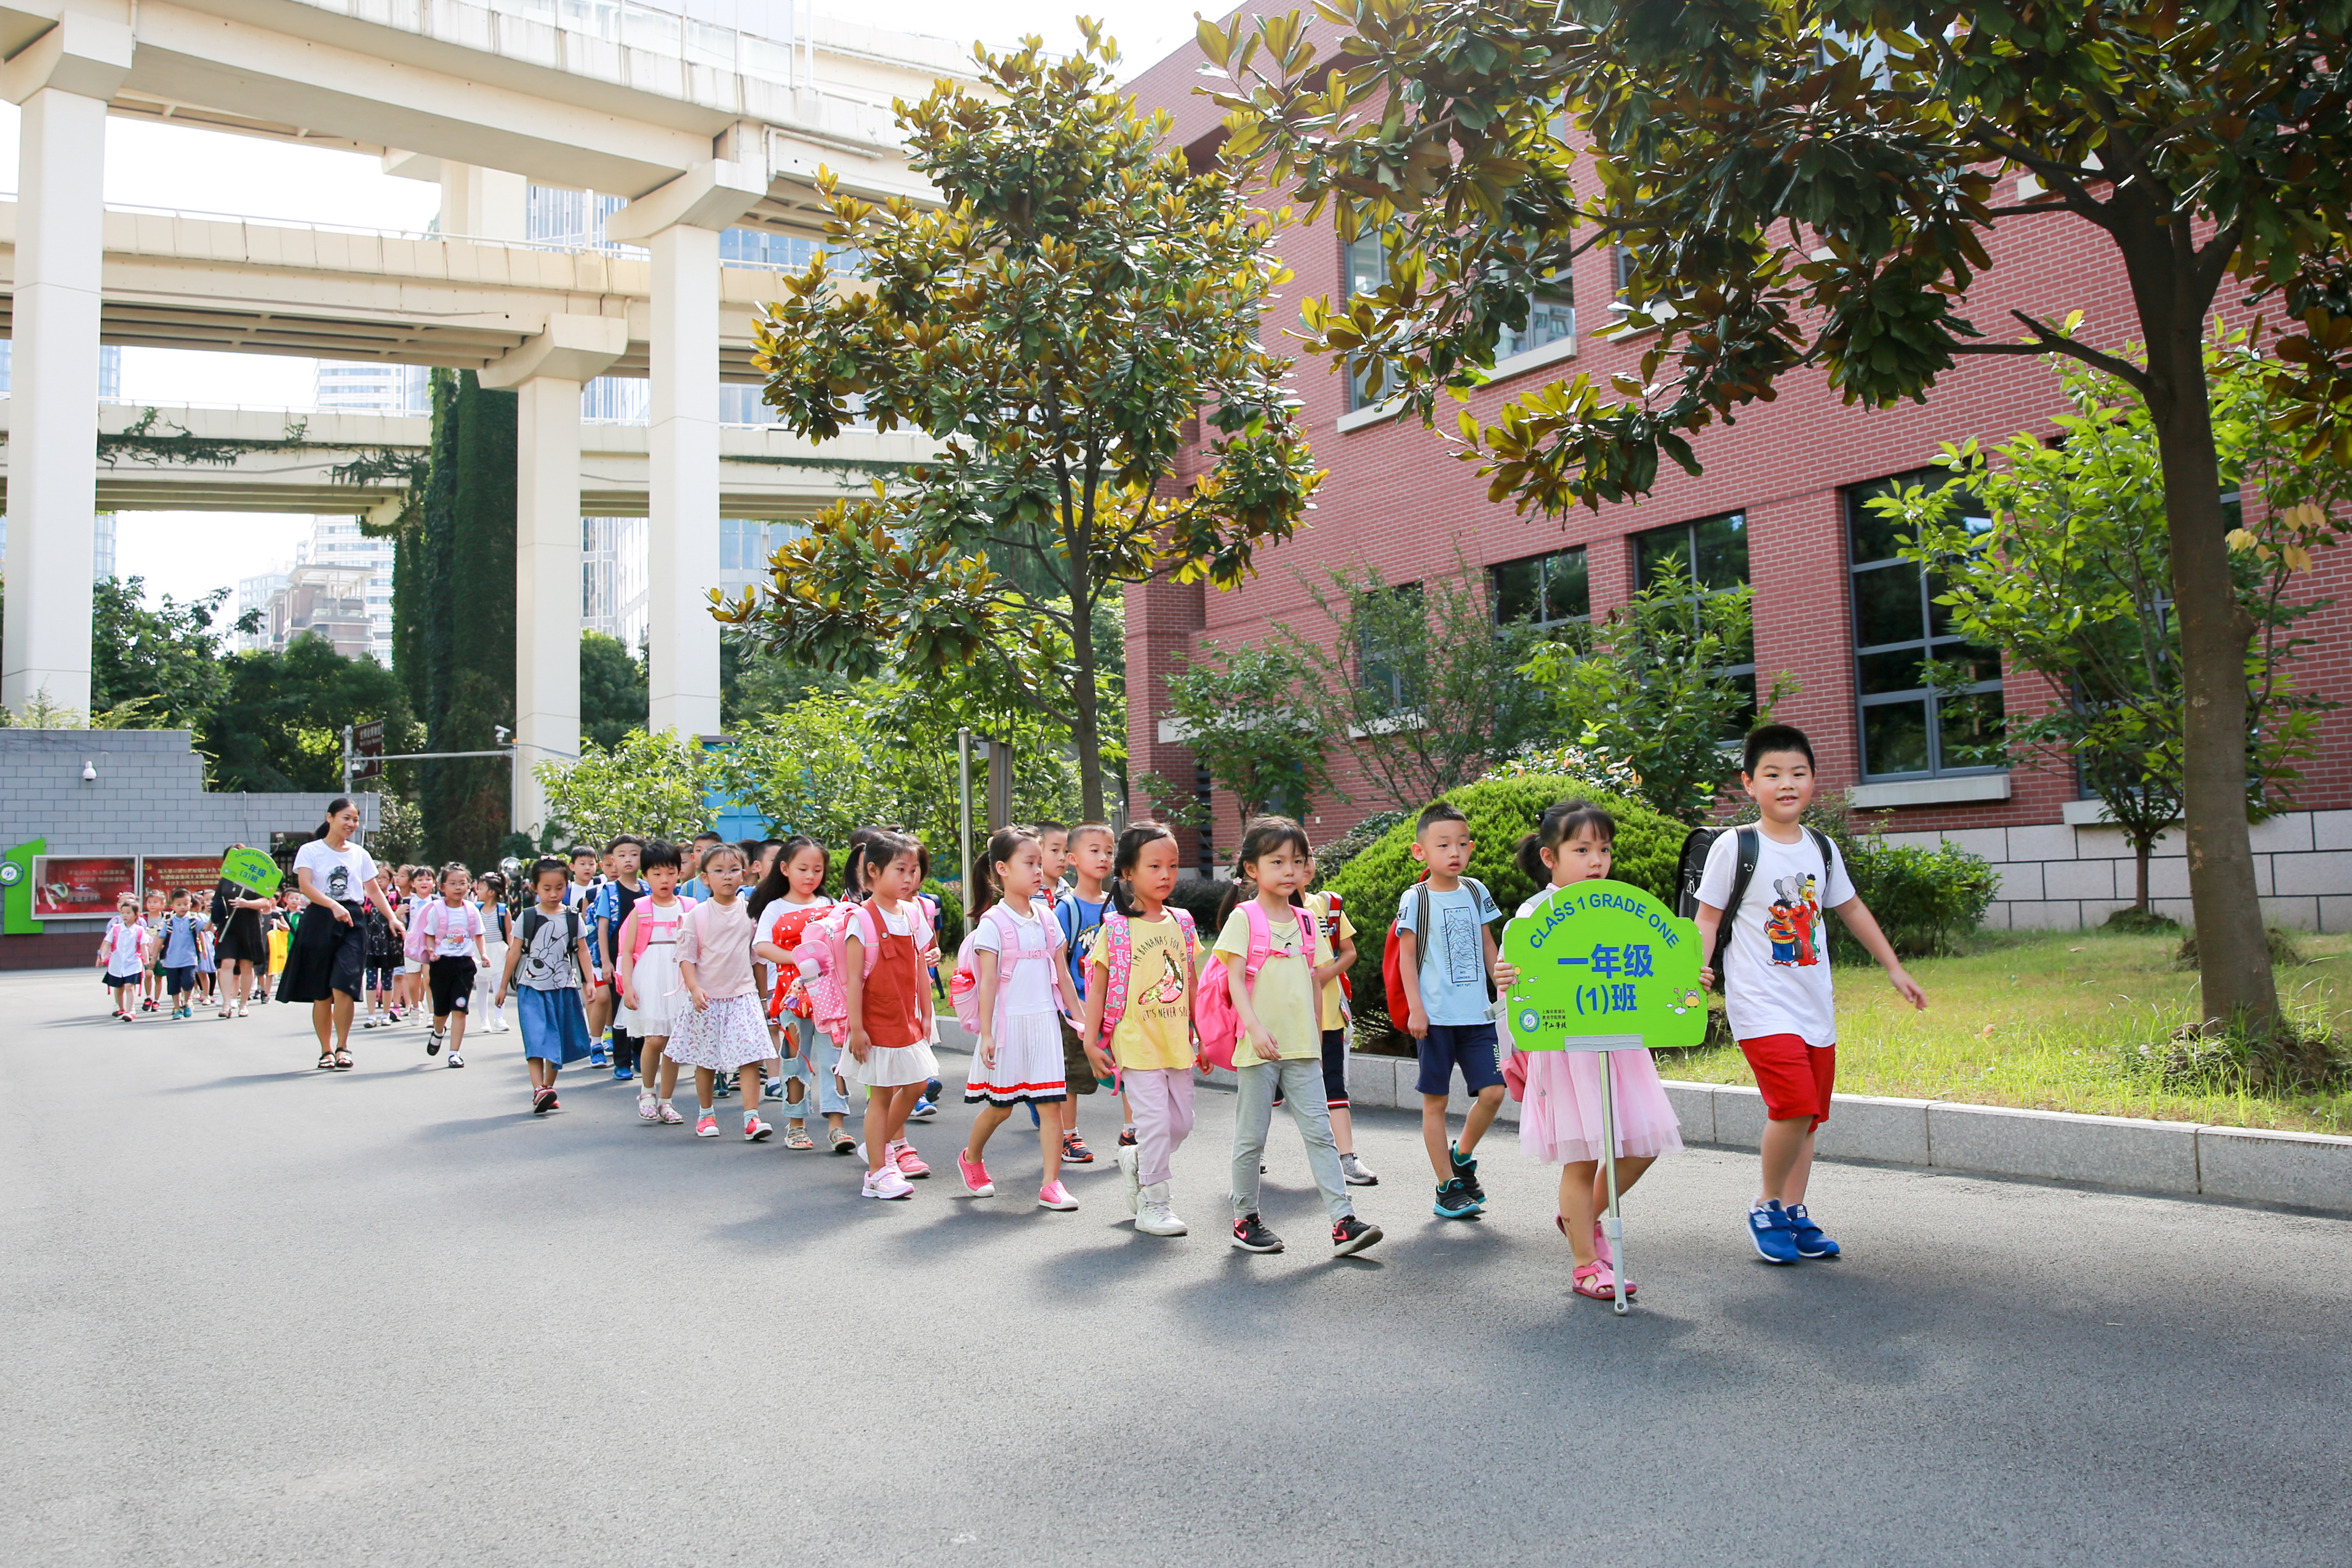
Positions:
(242, 940)
(326, 955)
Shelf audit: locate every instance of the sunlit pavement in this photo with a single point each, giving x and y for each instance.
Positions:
(265, 1314)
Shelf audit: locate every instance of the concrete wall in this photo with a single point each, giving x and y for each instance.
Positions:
(149, 798)
(2066, 877)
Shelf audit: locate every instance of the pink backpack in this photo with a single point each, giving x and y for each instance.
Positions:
(963, 987)
(826, 939)
(1213, 1019)
(1118, 958)
(639, 933)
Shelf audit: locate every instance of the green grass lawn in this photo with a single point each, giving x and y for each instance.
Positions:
(2056, 1021)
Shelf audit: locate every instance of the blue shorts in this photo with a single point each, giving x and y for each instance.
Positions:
(1469, 1046)
(182, 977)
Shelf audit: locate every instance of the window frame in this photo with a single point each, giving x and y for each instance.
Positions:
(1543, 621)
(1928, 646)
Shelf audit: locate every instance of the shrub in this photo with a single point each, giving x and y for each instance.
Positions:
(950, 917)
(1373, 882)
(1331, 859)
(1199, 897)
(1924, 899)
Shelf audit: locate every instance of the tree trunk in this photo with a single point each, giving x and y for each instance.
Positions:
(2232, 953)
(1086, 702)
(2139, 895)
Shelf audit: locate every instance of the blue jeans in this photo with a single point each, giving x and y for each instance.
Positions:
(813, 1066)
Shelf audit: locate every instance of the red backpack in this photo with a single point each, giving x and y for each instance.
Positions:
(1392, 959)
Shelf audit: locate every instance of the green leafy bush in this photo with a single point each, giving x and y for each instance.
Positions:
(1373, 882)
(1331, 859)
(1925, 900)
(951, 918)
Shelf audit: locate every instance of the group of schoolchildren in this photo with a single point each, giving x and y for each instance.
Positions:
(164, 956)
(731, 960)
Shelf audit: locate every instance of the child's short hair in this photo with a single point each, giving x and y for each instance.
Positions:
(707, 837)
(1085, 830)
(884, 846)
(579, 851)
(1127, 854)
(1042, 830)
(620, 839)
(545, 863)
(659, 853)
(1770, 737)
(454, 868)
(718, 851)
(1557, 825)
(1261, 837)
(1435, 813)
(179, 895)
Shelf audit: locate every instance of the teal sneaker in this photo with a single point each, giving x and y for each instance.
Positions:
(1465, 1171)
(1454, 1202)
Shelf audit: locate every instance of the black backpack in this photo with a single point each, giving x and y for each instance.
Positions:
(1692, 869)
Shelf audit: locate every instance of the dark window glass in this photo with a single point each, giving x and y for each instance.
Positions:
(1547, 590)
(1714, 552)
(1931, 702)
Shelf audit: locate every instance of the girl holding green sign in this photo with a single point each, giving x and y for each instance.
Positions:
(1560, 1119)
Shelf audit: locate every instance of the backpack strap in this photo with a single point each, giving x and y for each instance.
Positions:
(1119, 955)
(1743, 873)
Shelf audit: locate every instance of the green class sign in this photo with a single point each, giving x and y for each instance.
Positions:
(1604, 959)
(252, 870)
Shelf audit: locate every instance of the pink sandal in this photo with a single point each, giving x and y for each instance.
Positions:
(1592, 1280)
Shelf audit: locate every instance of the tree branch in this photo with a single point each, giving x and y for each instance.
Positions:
(2058, 342)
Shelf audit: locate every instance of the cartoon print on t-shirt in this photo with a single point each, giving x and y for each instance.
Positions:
(1170, 987)
(1795, 915)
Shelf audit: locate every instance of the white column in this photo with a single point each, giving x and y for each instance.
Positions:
(683, 481)
(547, 586)
(482, 203)
(63, 81)
(546, 372)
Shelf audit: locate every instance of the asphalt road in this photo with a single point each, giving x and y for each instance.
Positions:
(261, 1314)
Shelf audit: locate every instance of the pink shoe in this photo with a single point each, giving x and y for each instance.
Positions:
(1053, 1195)
(975, 1176)
(671, 1116)
(909, 1162)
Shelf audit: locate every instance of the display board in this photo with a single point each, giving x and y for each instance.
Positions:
(198, 873)
(66, 887)
(1604, 959)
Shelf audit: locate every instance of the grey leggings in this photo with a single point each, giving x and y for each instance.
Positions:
(1302, 1091)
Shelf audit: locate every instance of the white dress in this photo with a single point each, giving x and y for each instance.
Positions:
(655, 991)
(1028, 1030)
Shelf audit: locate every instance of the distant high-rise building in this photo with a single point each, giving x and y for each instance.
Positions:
(372, 387)
(339, 584)
(614, 594)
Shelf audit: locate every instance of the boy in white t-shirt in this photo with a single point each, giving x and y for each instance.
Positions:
(1776, 988)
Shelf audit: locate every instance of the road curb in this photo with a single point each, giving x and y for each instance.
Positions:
(2245, 1165)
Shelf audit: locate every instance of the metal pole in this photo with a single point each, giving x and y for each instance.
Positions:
(347, 759)
(964, 807)
(1613, 1228)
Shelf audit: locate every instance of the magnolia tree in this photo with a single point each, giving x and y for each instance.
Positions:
(1058, 324)
(1807, 185)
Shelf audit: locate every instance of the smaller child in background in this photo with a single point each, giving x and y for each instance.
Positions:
(1339, 941)
(615, 896)
(155, 912)
(1448, 970)
(1281, 1046)
(208, 966)
(1093, 848)
(449, 930)
(179, 960)
(281, 938)
(122, 955)
(1017, 959)
(1560, 1122)
(1143, 965)
(1053, 844)
(889, 1005)
(498, 927)
(548, 970)
(645, 978)
(382, 966)
(724, 1026)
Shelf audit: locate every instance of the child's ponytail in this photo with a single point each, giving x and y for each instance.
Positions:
(1560, 825)
(1003, 845)
(1126, 857)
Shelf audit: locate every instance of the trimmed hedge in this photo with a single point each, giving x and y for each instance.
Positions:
(1372, 883)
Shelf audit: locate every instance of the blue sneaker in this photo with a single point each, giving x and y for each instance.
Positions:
(1032, 1115)
(599, 1057)
(1774, 1234)
(923, 1111)
(1812, 1241)
(623, 1073)
(1454, 1202)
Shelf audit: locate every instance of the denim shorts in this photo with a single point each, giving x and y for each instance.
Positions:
(1469, 1046)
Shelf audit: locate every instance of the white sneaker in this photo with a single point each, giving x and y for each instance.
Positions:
(1358, 1173)
(455, 1059)
(1153, 1217)
(1130, 1164)
(648, 1108)
(887, 1183)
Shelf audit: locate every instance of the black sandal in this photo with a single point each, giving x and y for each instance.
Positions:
(326, 1061)
(342, 1061)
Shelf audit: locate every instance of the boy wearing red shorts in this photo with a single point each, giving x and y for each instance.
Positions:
(1776, 980)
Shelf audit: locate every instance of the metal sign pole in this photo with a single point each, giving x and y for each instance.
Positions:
(347, 759)
(963, 822)
(1613, 1228)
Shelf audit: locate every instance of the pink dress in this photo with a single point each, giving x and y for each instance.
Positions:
(1559, 1120)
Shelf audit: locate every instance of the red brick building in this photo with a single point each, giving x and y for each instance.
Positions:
(1776, 505)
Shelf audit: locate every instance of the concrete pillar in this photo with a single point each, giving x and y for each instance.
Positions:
(63, 81)
(547, 372)
(683, 482)
(482, 203)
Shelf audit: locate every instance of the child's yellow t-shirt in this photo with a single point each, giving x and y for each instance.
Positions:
(1321, 903)
(1283, 994)
(1156, 1030)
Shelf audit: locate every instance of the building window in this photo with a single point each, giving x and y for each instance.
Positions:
(1380, 679)
(1713, 553)
(1930, 699)
(1364, 267)
(1544, 590)
(1551, 319)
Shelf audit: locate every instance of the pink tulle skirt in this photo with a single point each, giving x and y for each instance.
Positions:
(1559, 1120)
